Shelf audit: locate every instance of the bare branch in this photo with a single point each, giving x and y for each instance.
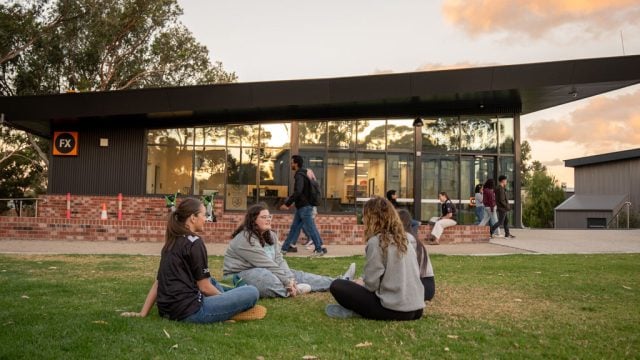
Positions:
(139, 77)
(38, 150)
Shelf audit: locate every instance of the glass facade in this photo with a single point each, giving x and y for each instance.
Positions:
(353, 160)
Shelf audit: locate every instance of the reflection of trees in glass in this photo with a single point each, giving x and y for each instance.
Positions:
(341, 134)
(181, 137)
(374, 140)
(400, 136)
(441, 134)
(312, 133)
(239, 171)
(243, 135)
(211, 136)
(479, 134)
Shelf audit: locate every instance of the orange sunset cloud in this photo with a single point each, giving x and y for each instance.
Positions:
(537, 18)
(605, 124)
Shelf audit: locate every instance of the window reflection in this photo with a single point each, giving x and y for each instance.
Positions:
(371, 134)
(506, 135)
(176, 137)
(400, 134)
(169, 169)
(479, 134)
(439, 173)
(312, 133)
(210, 164)
(400, 176)
(440, 134)
(341, 134)
(243, 135)
(275, 135)
(211, 136)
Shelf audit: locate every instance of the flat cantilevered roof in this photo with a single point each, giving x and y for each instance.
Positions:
(523, 88)
(603, 158)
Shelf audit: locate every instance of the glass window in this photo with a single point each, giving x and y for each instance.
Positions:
(439, 173)
(441, 134)
(210, 166)
(371, 134)
(175, 137)
(478, 134)
(216, 136)
(474, 170)
(169, 169)
(370, 175)
(316, 161)
(506, 135)
(341, 182)
(341, 134)
(275, 135)
(243, 135)
(400, 177)
(400, 135)
(312, 134)
(274, 176)
(241, 190)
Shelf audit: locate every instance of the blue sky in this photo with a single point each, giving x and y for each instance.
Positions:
(268, 40)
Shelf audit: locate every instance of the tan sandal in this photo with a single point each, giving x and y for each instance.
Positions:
(255, 313)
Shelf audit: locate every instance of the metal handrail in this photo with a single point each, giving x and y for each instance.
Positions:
(20, 200)
(617, 215)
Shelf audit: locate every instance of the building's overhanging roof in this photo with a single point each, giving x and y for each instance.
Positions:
(583, 202)
(603, 158)
(521, 88)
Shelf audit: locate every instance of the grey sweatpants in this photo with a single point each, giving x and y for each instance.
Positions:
(270, 286)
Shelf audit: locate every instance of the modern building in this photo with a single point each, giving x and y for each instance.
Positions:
(418, 133)
(604, 185)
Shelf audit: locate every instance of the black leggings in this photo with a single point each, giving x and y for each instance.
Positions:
(429, 284)
(357, 298)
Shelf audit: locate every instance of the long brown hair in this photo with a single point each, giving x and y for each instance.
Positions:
(177, 222)
(249, 225)
(380, 218)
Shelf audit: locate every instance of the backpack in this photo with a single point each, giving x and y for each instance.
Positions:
(315, 192)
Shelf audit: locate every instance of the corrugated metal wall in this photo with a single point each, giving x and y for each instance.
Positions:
(117, 168)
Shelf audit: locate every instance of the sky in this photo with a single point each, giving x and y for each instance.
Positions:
(282, 40)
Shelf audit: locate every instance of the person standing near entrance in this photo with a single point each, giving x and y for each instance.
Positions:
(502, 203)
(303, 218)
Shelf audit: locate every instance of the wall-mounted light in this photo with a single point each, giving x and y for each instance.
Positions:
(418, 122)
(104, 142)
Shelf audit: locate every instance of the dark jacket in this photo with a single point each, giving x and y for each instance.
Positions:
(488, 198)
(501, 199)
(301, 190)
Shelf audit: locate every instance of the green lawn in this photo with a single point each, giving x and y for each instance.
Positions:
(521, 306)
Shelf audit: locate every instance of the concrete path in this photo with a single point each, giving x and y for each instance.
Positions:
(526, 242)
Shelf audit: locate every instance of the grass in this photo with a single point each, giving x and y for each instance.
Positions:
(521, 306)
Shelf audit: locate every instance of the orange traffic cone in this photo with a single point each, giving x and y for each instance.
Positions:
(103, 213)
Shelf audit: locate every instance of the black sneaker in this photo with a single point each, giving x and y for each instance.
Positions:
(511, 236)
(292, 249)
(324, 250)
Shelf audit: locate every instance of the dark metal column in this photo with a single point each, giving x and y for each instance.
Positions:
(517, 194)
(417, 168)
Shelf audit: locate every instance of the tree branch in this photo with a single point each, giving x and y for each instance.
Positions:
(38, 150)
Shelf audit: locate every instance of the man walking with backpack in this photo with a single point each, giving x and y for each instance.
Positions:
(305, 198)
(503, 208)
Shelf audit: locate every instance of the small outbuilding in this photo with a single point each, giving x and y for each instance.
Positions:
(605, 185)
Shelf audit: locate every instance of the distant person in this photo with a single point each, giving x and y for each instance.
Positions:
(448, 211)
(489, 201)
(184, 289)
(479, 210)
(424, 263)
(253, 256)
(390, 288)
(392, 196)
(503, 207)
(303, 217)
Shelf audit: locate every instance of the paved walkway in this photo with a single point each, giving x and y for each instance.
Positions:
(526, 242)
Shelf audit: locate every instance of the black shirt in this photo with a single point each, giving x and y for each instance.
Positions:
(180, 268)
(301, 190)
(447, 207)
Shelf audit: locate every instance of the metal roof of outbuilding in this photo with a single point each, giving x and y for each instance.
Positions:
(603, 158)
(592, 203)
(522, 88)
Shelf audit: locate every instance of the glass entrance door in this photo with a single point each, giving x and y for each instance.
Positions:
(473, 170)
(439, 173)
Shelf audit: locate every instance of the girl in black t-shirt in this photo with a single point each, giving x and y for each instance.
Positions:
(447, 219)
(184, 289)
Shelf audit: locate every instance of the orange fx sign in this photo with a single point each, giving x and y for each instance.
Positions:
(65, 143)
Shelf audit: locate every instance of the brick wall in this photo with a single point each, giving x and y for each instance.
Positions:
(143, 220)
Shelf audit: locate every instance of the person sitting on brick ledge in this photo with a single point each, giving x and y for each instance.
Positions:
(444, 221)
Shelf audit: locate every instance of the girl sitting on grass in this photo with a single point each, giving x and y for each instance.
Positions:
(390, 288)
(184, 289)
(253, 255)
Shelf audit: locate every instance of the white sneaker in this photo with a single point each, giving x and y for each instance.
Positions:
(310, 245)
(303, 288)
(350, 274)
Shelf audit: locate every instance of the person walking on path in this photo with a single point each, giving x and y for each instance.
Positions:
(390, 288)
(444, 221)
(184, 289)
(253, 256)
(503, 207)
(489, 201)
(479, 210)
(303, 218)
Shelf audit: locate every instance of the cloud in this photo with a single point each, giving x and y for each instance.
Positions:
(604, 124)
(554, 162)
(539, 18)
